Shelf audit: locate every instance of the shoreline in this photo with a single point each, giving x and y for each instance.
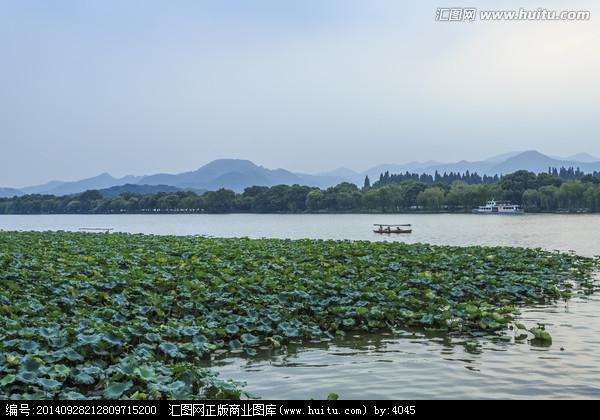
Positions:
(408, 212)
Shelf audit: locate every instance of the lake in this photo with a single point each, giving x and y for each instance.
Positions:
(564, 232)
(405, 364)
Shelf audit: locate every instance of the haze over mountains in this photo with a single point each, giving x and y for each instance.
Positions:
(238, 174)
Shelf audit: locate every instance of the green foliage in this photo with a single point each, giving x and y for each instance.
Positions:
(541, 335)
(515, 184)
(542, 192)
(135, 316)
(366, 183)
(431, 198)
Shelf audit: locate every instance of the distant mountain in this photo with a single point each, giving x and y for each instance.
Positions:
(481, 167)
(343, 173)
(530, 160)
(537, 162)
(237, 174)
(41, 189)
(340, 172)
(66, 188)
(502, 157)
(583, 157)
(9, 192)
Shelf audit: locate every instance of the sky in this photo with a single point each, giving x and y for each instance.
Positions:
(146, 86)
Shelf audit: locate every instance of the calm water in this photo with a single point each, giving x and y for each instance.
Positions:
(405, 365)
(580, 233)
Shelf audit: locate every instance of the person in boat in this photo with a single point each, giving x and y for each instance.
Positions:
(388, 229)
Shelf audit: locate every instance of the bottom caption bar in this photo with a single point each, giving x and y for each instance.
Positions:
(263, 408)
(209, 408)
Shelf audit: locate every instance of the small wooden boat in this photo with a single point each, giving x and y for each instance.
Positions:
(391, 228)
(92, 229)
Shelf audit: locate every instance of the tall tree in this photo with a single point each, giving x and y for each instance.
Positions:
(367, 183)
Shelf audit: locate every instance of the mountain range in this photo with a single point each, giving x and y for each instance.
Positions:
(237, 174)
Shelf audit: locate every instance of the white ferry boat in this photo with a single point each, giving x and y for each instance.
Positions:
(499, 207)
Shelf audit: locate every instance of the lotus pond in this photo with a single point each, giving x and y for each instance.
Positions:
(86, 315)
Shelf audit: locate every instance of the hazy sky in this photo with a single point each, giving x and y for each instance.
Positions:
(139, 87)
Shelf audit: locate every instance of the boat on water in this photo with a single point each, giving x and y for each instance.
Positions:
(499, 207)
(391, 228)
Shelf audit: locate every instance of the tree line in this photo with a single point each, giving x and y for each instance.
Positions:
(564, 174)
(437, 178)
(544, 192)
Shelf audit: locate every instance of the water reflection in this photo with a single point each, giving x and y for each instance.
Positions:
(413, 364)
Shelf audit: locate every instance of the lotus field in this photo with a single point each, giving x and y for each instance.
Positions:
(86, 315)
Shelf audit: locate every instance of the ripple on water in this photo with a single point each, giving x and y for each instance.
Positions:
(413, 366)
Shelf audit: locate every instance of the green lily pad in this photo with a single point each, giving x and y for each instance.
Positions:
(146, 373)
(62, 370)
(541, 335)
(170, 348)
(27, 377)
(249, 339)
(235, 346)
(349, 322)
(88, 339)
(232, 329)
(115, 389)
(112, 338)
(7, 379)
(83, 378)
(31, 365)
(72, 395)
(49, 383)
